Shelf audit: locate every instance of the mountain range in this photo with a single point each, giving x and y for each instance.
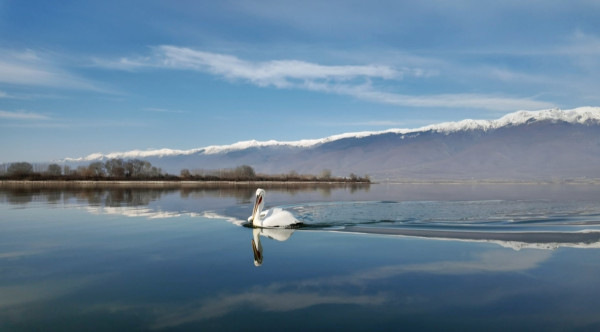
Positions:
(526, 145)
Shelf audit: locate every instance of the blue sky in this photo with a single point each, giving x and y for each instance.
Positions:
(80, 77)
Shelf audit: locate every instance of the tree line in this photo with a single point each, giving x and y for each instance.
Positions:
(113, 169)
(135, 169)
(247, 173)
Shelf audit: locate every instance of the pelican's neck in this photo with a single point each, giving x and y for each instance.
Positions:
(258, 207)
(257, 221)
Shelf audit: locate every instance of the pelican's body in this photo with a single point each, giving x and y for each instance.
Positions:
(271, 218)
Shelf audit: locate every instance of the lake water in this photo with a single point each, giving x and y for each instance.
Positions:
(378, 257)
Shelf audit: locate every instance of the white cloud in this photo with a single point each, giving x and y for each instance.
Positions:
(382, 123)
(162, 110)
(28, 68)
(372, 123)
(357, 81)
(278, 73)
(583, 50)
(581, 44)
(124, 63)
(461, 100)
(22, 115)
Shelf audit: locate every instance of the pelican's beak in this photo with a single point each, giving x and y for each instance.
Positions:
(258, 258)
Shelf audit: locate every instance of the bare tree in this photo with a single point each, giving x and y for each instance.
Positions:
(40, 168)
(20, 169)
(185, 173)
(245, 172)
(145, 168)
(54, 170)
(155, 172)
(292, 175)
(84, 171)
(325, 174)
(96, 169)
(115, 168)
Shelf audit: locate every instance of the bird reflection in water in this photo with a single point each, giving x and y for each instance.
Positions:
(279, 234)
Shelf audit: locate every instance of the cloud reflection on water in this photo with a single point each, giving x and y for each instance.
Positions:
(260, 300)
(285, 296)
(299, 294)
(15, 296)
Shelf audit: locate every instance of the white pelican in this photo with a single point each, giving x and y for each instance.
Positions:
(276, 217)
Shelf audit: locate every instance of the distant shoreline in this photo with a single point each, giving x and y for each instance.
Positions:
(205, 184)
(164, 184)
(595, 181)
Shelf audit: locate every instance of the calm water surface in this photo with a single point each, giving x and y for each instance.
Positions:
(380, 257)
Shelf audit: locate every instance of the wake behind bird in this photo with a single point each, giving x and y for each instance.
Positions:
(517, 224)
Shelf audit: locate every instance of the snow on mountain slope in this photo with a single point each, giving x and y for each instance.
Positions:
(582, 115)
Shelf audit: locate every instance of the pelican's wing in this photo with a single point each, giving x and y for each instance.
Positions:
(278, 217)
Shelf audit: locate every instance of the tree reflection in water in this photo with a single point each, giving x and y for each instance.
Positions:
(130, 195)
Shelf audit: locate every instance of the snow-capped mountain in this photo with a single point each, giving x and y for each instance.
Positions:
(522, 145)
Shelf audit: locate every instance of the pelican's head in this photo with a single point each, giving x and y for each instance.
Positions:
(258, 204)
